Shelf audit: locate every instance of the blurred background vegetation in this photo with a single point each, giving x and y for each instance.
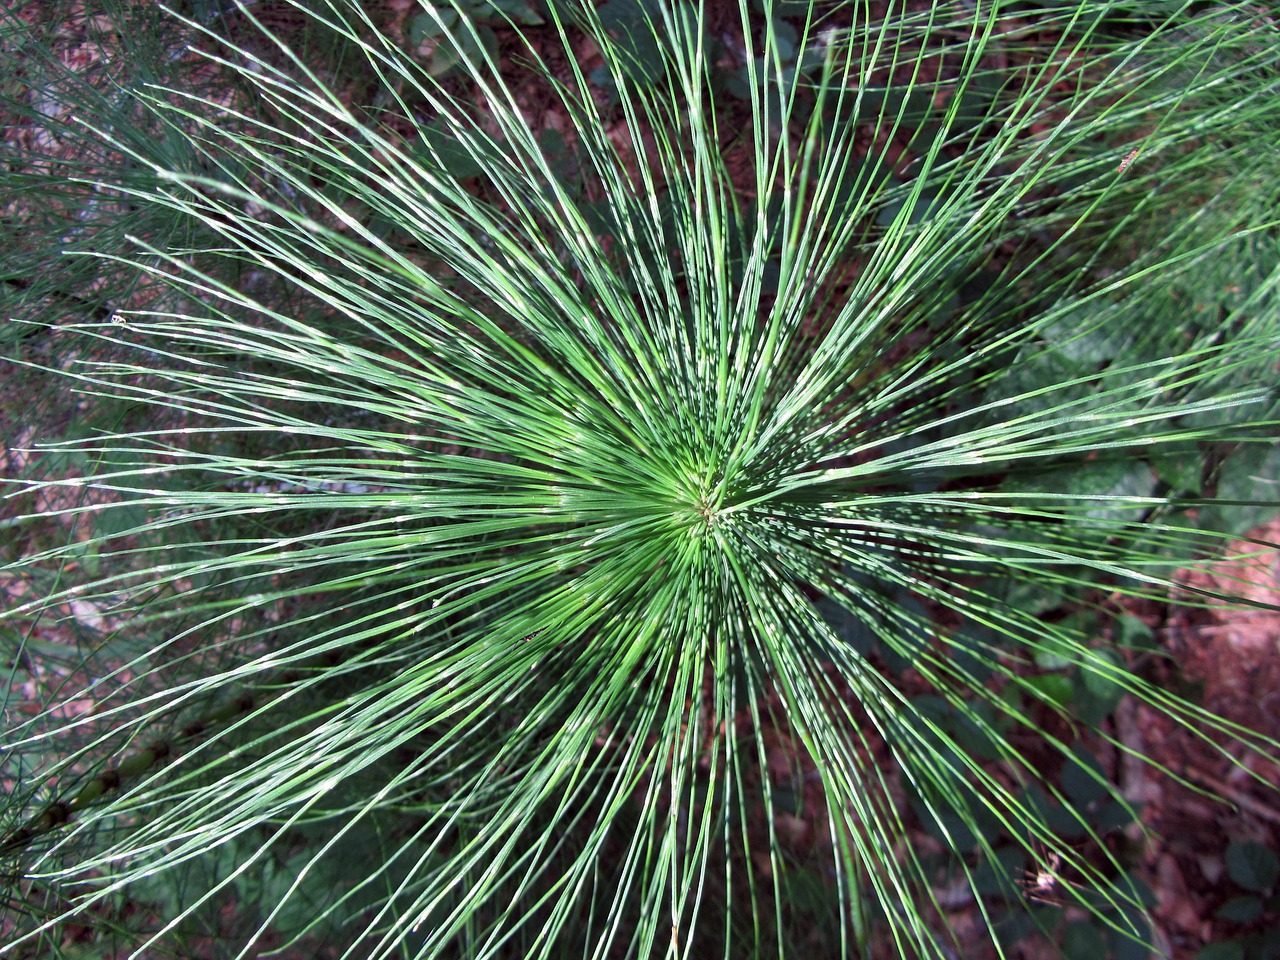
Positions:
(228, 467)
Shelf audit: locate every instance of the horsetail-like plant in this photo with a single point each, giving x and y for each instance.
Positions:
(543, 508)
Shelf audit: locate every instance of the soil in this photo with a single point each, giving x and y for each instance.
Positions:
(1215, 795)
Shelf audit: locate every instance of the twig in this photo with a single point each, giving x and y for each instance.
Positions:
(1234, 795)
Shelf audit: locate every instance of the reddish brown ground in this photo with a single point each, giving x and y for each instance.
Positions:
(1234, 654)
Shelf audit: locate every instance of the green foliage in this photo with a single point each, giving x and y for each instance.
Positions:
(1252, 913)
(1252, 866)
(460, 32)
(625, 535)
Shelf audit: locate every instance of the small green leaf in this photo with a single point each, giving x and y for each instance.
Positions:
(441, 149)
(921, 209)
(850, 629)
(974, 107)
(1180, 469)
(996, 877)
(1081, 940)
(1240, 910)
(1223, 950)
(1083, 779)
(1113, 815)
(518, 11)
(426, 26)
(1032, 597)
(1248, 492)
(112, 523)
(1054, 687)
(1100, 674)
(1104, 487)
(969, 650)
(1132, 632)
(444, 59)
(1055, 653)
(1130, 939)
(785, 36)
(1252, 866)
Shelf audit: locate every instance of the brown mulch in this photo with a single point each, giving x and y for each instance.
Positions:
(1230, 657)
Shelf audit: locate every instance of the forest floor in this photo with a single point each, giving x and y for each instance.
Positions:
(1229, 653)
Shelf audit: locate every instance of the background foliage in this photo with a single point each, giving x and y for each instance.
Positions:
(493, 537)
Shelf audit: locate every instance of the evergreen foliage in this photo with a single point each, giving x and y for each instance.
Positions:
(498, 534)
